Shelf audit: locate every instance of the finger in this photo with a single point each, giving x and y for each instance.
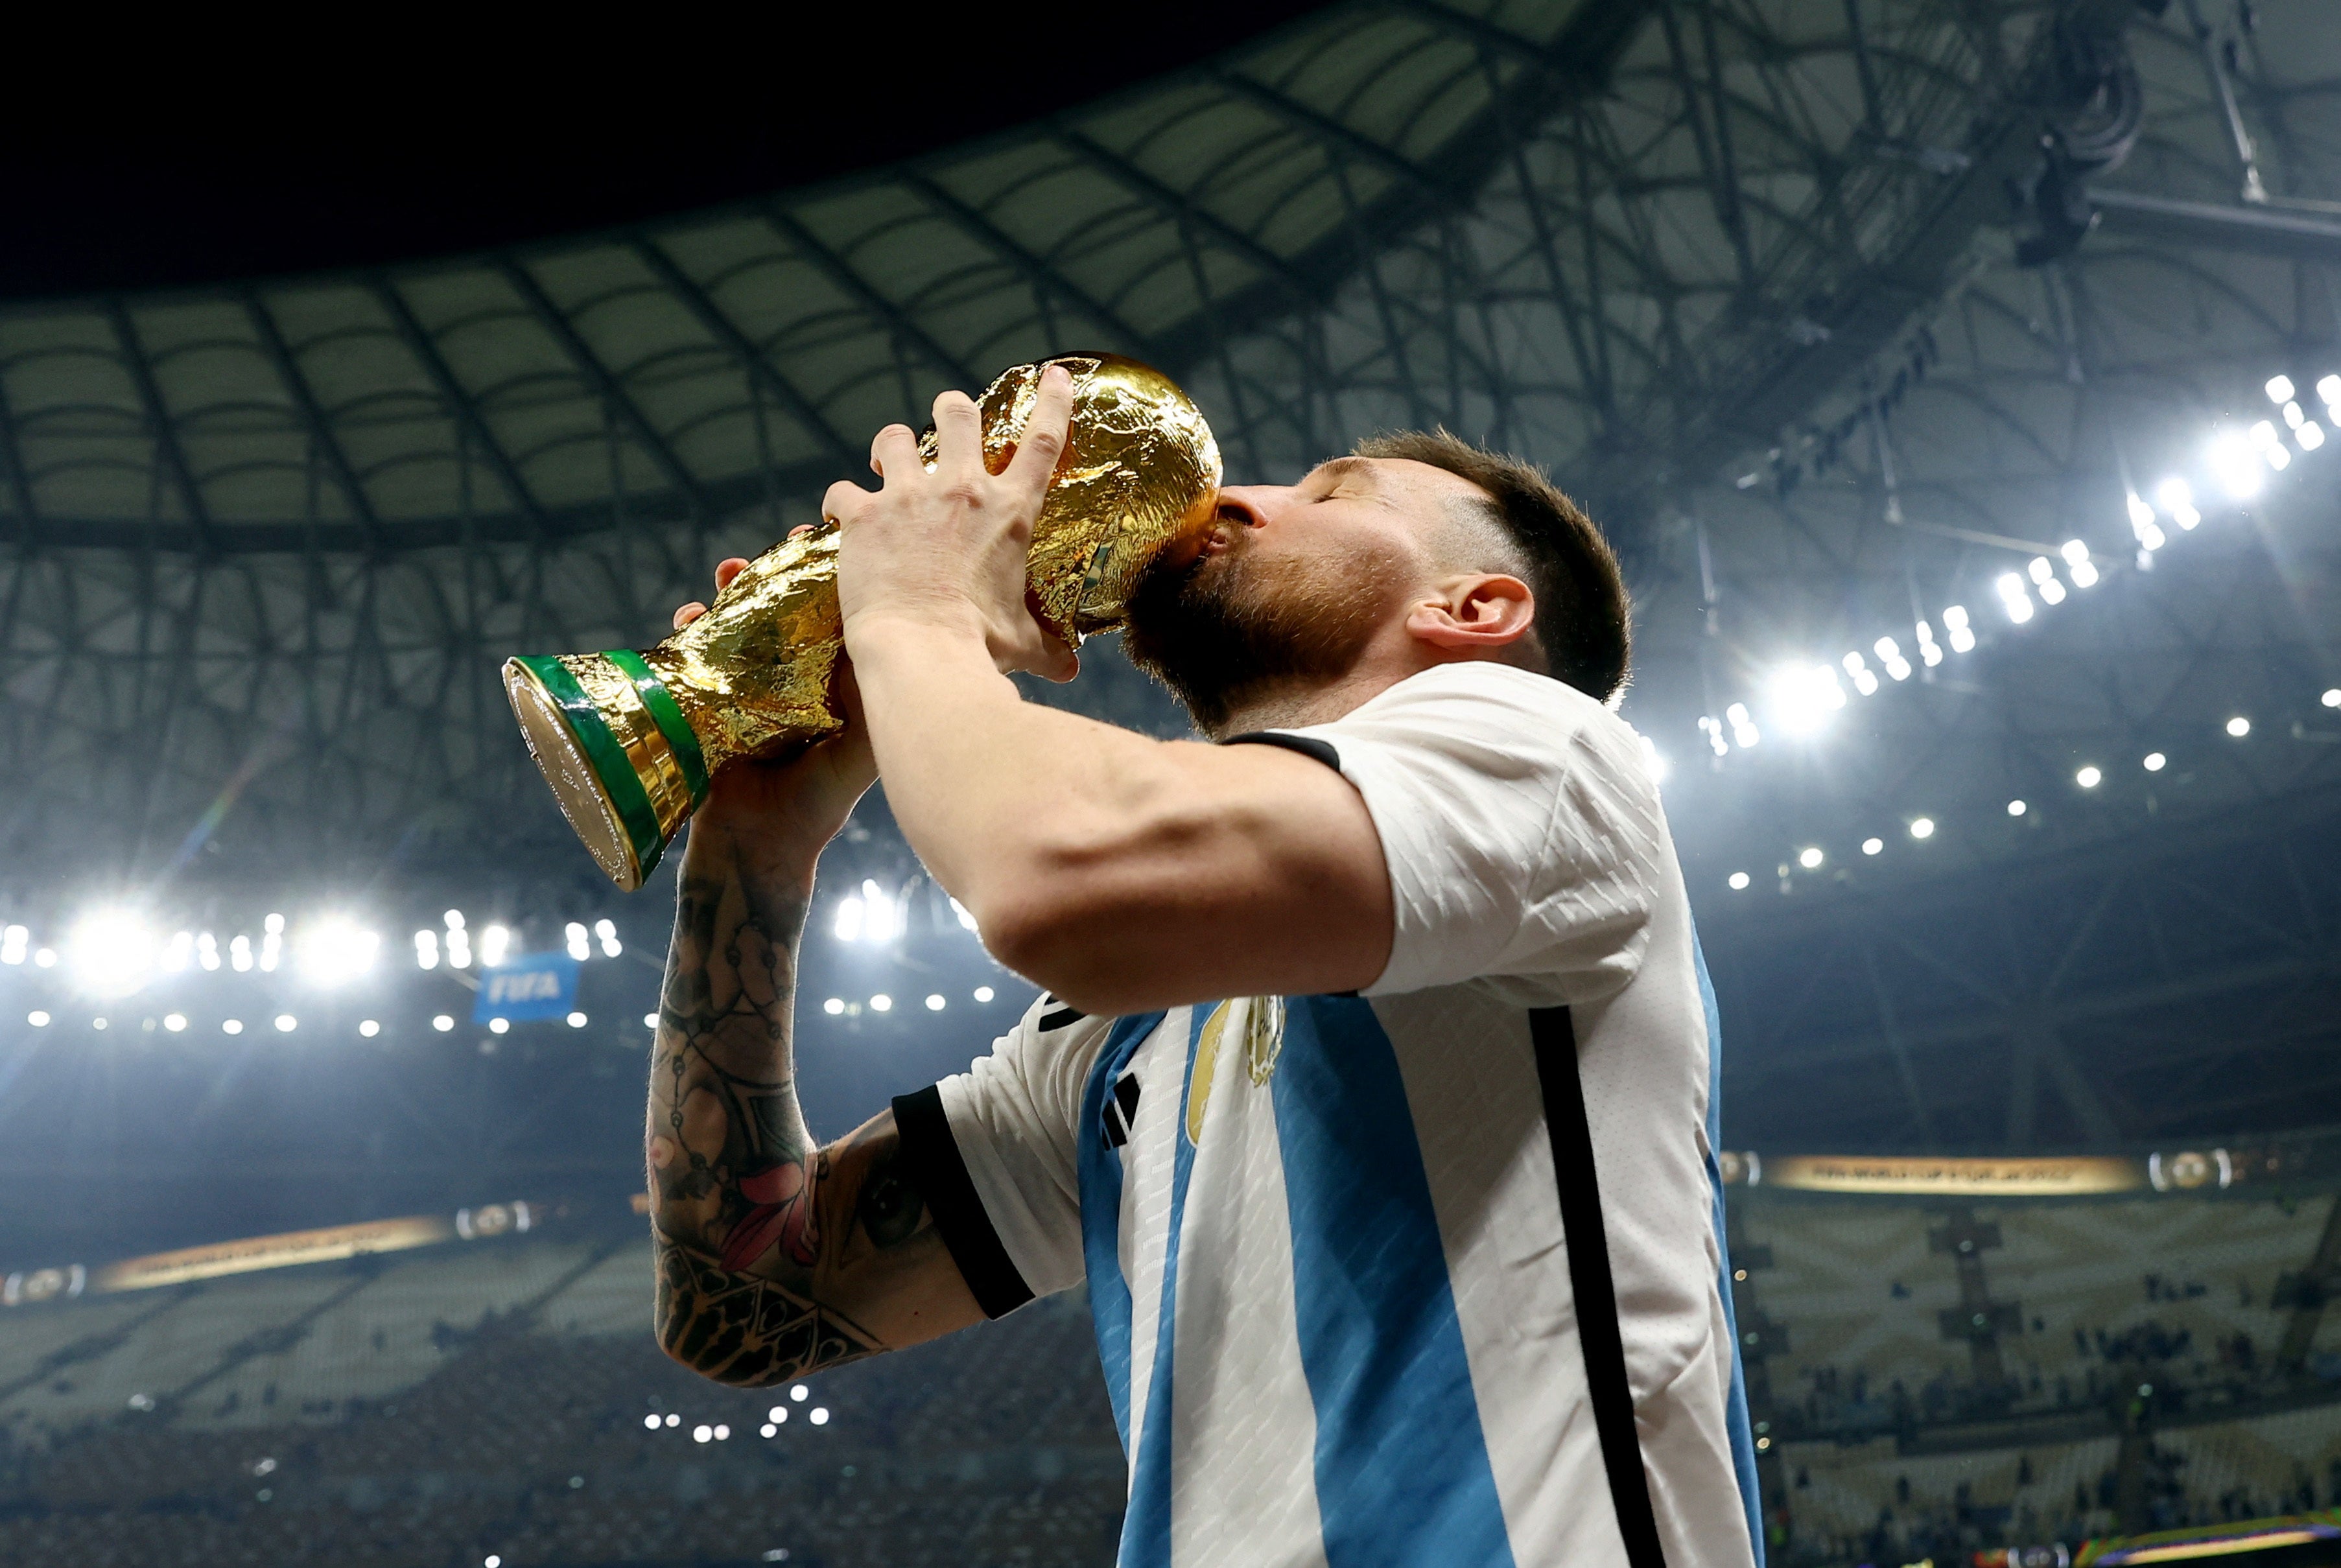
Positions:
(846, 499)
(895, 452)
(689, 613)
(728, 569)
(1043, 441)
(959, 433)
(1059, 661)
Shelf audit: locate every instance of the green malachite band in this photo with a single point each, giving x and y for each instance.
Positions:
(605, 756)
(667, 714)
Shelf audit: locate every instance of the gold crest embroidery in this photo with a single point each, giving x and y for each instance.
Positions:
(1263, 1042)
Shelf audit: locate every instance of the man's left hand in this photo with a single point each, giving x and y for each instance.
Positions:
(946, 549)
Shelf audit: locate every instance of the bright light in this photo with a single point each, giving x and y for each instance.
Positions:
(273, 924)
(935, 1002)
(848, 925)
(1810, 858)
(37, 1018)
(368, 1028)
(1890, 653)
(12, 944)
(1955, 621)
(576, 1020)
(111, 953)
(45, 957)
(1653, 762)
(207, 950)
(2052, 593)
(443, 1023)
(2239, 727)
(2329, 389)
(819, 1416)
(608, 931)
(2013, 598)
(286, 1023)
(452, 919)
(271, 943)
(985, 993)
(882, 1003)
(2089, 778)
(650, 1020)
(1873, 846)
(499, 1026)
(2015, 808)
(2237, 466)
(1744, 733)
(799, 1393)
(426, 950)
(768, 1430)
(1737, 881)
(2263, 436)
(495, 943)
(833, 1007)
(650, 1424)
(459, 949)
(336, 949)
(1804, 695)
(2292, 416)
(674, 1420)
(882, 916)
(2084, 573)
(492, 1561)
(777, 1412)
(2141, 516)
(2151, 538)
(179, 952)
(2279, 389)
(2040, 571)
(702, 1433)
(2332, 698)
(1922, 827)
(723, 1433)
(960, 913)
(231, 1026)
(2279, 458)
(175, 1022)
(2310, 436)
(580, 948)
(2156, 762)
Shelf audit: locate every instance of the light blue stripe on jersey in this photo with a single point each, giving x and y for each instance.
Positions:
(1402, 1469)
(1735, 1413)
(1098, 1165)
(1146, 1525)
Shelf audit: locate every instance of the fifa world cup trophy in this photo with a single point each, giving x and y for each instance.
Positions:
(629, 740)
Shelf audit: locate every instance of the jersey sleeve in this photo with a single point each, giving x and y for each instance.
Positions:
(994, 1153)
(1520, 827)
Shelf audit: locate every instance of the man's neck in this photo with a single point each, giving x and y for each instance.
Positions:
(1292, 705)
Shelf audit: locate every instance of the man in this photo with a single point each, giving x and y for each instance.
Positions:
(1303, 1106)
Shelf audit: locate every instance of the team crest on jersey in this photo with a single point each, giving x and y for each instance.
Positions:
(1258, 1022)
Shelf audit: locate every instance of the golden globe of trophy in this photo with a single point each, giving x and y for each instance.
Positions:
(629, 740)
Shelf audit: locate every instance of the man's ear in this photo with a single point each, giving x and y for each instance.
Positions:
(1488, 610)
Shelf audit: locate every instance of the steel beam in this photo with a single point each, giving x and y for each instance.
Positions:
(158, 423)
(2296, 233)
(313, 415)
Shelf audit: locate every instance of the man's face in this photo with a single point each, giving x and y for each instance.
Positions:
(1295, 583)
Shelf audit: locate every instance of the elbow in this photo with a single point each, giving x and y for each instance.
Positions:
(1064, 942)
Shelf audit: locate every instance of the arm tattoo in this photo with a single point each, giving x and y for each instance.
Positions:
(760, 1235)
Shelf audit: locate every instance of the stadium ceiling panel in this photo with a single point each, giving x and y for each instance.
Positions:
(1836, 311)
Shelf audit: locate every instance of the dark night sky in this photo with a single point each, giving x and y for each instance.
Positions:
(150, 161)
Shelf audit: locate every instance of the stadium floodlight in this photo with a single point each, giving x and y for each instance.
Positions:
(452, 919)
(2016, 808)
(45, 957)
(703, 1432)
(231, 1026)
(574, 937)
(37, 1018)
(2236, 465)
(883, 918)
(2279, 458)
(495, 944)
(426, 949)
(847, 926)
(2156, 762)
(1804, 695)
(336, 949)
(650, 1020)
(111, 953)
(2239, 727)
(770, 1429)
(935, 1001)
(608, 931)
(1865, 679)
(2292, 416)
(13, 942)
(650, 1424)
(1810, 859)
(2013, 598)
(2279, 389)
(800, 1392)
(834, 1005)
(2141, 515)
(459, 948)
(577, 1021)
(984, 993)
(818, 1415)
(286, 1023)
(777, 1414)
(2039, 570)
(2329, 389)
(1737, 881)
(499, 1026)
(175, 1022)
(2089, 777)
(368, 1027)
(1955, 623)
(2310, 435)
(443, 1023)
(2052, 593)
(1654, 761)
(1922, 827)
(1744, 733)
(963, 915)
(2332, 698)
(1873, 846)
(882, 1003)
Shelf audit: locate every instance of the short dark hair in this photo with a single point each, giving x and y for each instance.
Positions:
(1583, 620)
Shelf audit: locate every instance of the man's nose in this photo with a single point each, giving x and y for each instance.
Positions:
(1249, 505)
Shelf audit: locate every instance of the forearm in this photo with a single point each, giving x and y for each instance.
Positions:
(775, 1257)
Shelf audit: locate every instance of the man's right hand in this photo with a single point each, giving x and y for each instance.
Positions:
(793, 804)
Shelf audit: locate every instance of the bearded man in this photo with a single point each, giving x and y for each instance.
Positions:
(1373, 1097)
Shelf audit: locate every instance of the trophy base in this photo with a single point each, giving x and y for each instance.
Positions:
(622, 762)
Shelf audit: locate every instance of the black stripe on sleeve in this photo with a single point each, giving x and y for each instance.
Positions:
(931, 1157)
(1306, 745)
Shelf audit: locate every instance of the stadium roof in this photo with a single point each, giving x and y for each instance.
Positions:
(1787, 289)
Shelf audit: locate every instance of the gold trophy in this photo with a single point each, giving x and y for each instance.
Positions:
(629, 740)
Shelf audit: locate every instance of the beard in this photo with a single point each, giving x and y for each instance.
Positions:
(1224, 630)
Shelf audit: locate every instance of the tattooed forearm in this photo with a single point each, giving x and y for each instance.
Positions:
(775, 1257)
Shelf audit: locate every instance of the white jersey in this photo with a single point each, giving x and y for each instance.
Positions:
(1323, 1235)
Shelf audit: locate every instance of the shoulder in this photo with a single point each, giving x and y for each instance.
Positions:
(1493, 718)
